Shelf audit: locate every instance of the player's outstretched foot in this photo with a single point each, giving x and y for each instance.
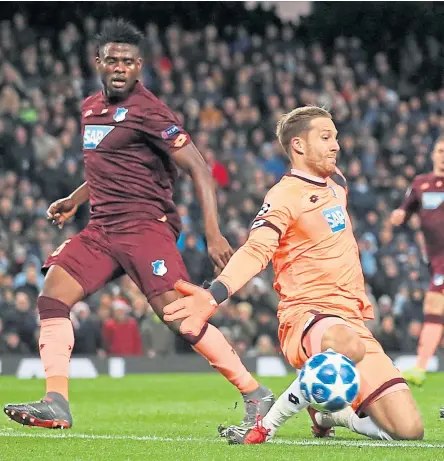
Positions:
(414, 376)
(257, 403)
(243, 435)
(51, 412)
(319, 431)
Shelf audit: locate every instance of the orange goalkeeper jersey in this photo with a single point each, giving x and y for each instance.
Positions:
(304, 227)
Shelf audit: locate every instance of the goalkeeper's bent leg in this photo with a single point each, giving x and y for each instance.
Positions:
(287, 405)
(349, 419)
(328, 333)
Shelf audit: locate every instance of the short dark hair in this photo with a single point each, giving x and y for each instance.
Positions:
(119, 31)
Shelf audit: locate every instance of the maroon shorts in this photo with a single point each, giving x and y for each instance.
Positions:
(437, 276)
(148, 254)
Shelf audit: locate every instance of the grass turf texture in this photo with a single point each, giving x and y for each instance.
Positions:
(175, 417)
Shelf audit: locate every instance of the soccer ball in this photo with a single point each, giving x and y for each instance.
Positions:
(329, 381)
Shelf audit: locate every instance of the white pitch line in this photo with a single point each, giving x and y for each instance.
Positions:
(155, 438)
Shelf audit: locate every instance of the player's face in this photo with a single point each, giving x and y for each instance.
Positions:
(320, 147)
(119, 66)
(438, 157)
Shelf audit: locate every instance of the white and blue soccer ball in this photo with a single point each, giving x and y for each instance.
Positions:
(329, 381)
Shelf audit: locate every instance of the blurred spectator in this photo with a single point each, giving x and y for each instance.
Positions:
(29, 281)
(157, 338)
(193, 259)
(388, 336)
(121, 334)
(244, 328)
(368, 248)
(11, 344)
(410, 340)
(264, 346)
(22, 320)
(87, 331)
(266, 325)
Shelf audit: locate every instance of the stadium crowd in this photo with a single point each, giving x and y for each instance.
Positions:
(229, 90)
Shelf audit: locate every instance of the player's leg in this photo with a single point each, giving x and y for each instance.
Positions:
(78, 267)
(384, 397)
(393, 416)
(307, 336)
(430, 337)
(397, 414)
(60, 292)
(212, 345)
(155, 269)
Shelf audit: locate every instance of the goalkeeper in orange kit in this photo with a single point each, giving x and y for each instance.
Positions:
(304, 228)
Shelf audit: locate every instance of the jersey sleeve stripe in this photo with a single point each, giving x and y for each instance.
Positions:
(264, 223)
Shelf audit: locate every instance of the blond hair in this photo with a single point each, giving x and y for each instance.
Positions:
(295, 122)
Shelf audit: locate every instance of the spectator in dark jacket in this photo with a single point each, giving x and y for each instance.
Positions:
(388, 336)
(23, 320)
(87, 331)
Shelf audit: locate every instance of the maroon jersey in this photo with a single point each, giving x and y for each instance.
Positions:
(426, 197)
(126, 148)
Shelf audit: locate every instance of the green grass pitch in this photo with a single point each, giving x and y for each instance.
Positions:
(175, 417)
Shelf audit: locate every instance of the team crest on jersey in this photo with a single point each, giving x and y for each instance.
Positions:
(432, 200)
(94, 135)
(438, 280)
(159, 267)
(335, 218)
(264, 209)
(120, 114)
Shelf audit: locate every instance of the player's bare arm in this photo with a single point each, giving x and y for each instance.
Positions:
(198, 304)
(397, 217)
(409, 206)
(190, 160)
(65, 208)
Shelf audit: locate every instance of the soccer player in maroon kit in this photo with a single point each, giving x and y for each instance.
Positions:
(131, 144)
(426, 197)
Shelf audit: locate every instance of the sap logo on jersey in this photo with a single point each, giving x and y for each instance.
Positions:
(94, 135)
(336, 218)
(432, 200)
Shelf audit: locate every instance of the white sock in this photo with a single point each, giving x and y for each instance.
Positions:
(338, 418)
(288, 404)
(366, 426)
(348, 418)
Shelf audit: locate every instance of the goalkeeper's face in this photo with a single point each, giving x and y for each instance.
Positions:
(320, 147)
